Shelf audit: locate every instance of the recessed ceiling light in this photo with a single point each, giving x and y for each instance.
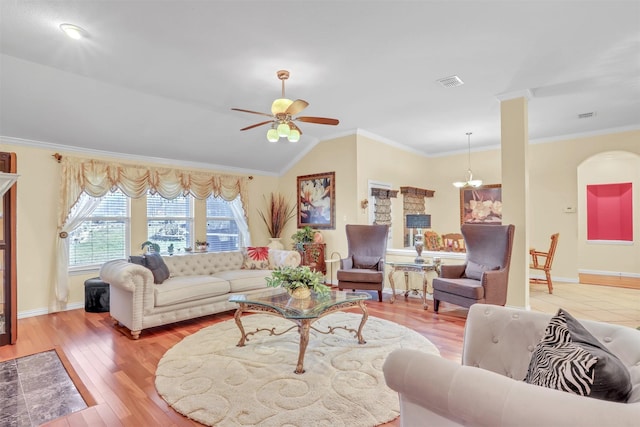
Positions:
(73, 31)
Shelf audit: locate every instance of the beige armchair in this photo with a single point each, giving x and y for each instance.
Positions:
(487, 389)
(484, 276)
(363, 268)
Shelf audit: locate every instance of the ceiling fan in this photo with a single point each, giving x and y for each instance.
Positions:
(281, 117)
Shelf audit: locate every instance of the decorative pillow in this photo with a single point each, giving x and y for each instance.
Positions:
(138, 259)
(256, 258)
(475, 270)
(569, 358)
(156, 264)
(366, 262)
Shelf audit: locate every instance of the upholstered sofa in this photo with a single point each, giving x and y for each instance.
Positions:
(199, 284)
(487, 389)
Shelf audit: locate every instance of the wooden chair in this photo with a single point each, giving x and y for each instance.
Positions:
(453, 242)
(432, 241)
(546, 266)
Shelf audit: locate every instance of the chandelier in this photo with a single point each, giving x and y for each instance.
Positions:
(470, 182)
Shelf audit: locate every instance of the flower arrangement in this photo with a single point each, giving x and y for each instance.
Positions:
(292, 278)
(202, 245)
(279, 213)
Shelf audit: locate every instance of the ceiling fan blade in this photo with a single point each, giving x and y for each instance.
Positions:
(319, 120)
(297, 106)
(257, 124)
(252, 112)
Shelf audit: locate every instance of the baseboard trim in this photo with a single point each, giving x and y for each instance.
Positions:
(41, 311)
(617, 281)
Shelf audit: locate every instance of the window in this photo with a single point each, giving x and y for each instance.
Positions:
(104, 235)
(170, 222)
(222, 230)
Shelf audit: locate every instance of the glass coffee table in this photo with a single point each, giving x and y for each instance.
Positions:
(302, 312)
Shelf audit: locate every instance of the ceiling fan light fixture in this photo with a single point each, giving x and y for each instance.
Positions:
(283, 129)
(294, 135)
(272, 135)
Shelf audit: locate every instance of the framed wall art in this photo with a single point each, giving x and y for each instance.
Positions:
(481, 205)
(316, 201)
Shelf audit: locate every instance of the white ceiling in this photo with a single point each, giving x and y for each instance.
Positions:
(158, 78)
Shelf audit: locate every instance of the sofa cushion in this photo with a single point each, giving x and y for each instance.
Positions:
(189, 288)
(245, 280)
(138, 259)
(366, 262)
(256, 258)
(156, 264)
(361, 275)
(570, 358)
(475, 270)
(467, 288)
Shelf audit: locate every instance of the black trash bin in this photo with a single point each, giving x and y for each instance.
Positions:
(96, 295)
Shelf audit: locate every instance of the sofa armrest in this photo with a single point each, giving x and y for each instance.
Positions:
(452, 271)
(282, 258)
(131, 292)
(125, 275)
(437, 391)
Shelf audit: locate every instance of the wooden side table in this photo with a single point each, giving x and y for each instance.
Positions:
(407, 267)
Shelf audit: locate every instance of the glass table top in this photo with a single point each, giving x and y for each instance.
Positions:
(291, 308)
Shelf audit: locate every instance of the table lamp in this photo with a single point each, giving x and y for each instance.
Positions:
(419, 221)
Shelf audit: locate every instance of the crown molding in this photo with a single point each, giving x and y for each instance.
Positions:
(131, 157)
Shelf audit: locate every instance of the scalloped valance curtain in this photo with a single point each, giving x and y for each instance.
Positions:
(96, 178)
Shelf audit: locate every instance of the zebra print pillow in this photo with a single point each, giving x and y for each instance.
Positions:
(570, 359)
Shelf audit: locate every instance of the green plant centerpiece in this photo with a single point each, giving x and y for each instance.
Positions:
(298, 281)
(302, 236)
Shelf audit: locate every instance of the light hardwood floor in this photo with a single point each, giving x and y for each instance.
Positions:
(117, 373)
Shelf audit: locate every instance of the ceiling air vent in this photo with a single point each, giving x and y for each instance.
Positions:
(587, 115)
(451, 81)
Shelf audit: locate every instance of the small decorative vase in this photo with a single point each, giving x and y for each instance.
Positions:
(299, 293)
(275, 243)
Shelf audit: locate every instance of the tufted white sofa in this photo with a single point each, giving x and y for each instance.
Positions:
(199, 284)
(499, 340)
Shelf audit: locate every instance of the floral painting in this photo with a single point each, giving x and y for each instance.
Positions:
(482, 205)
(316, 200)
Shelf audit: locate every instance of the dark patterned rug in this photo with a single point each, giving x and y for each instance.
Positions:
(36, 389)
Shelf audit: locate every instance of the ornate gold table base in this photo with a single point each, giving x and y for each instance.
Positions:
(406, 268)
(303, 325)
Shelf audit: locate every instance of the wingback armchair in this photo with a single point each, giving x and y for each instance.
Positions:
(363, 268)
(484, 275)
(487, 388)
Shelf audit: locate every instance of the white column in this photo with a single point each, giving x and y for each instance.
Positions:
(515, 190)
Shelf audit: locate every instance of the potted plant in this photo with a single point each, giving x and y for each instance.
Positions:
(171, 249)
(202, 245)
(279, 212)
(298, 281)
(151, 247)
(302, 236)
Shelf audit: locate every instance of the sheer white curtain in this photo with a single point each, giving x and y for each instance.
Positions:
(241, 220)
(60, 286)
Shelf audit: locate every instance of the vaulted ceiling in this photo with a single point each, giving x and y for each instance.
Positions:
(159, 78)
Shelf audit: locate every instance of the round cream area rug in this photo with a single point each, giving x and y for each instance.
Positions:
(207, 378)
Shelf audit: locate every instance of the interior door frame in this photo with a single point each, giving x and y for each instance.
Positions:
(8, 163)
